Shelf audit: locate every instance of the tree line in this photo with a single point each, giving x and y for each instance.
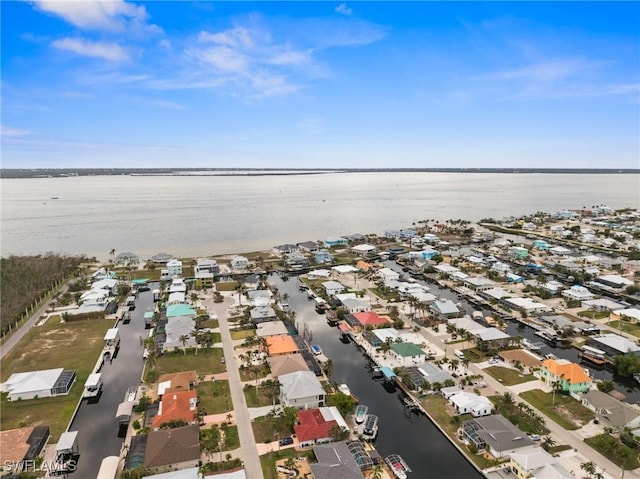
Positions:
(24, 280)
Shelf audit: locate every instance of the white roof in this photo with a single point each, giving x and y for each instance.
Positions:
(106, 283)
(344, 268)
(532, 457)
(498, 293)
(423, 297)
(111, 334)
(616, 342)
(446, 268)
(331, 413)
(301, 384)
(20, 383)
(332, 285)
(125, 408)
(389, 273)
(93, 380)
(163, 386)
(67, 441)
(467, 323)
(108, 467)
(271, 328)
(176, 298)
(363, 248)
(465, 400)
(615, 278)
(193, 473)
(319, 273)
(445, 306)
(176, 327)
(386, 333)
(526, 303)
(630, 313)
(491, 334)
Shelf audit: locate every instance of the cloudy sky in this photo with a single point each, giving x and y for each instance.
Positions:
(306, 84)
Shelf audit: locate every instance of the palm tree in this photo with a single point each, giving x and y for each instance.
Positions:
(183, 339)
(548, 443)
(465, 363)
(328, 368)
(195, 334)
(588, 467)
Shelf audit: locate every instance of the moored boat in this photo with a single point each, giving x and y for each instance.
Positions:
(370, 429)
(361, 413)
(397, 465)
(344, 389)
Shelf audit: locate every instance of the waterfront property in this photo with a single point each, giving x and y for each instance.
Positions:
(565, 375)
(281, 344)
(177, 406)
(177, 447)
(614, 344)
(611, 412)
(286, 364)
(38, 384)
(301, 389)
(341, 460)
(470, 403)
(535, 462)
(22, 444)
(496, 434)
(315, 426)
(408, 354)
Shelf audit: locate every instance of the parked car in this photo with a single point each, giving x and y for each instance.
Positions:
(286, 441)
(493, 361)
(534, 437)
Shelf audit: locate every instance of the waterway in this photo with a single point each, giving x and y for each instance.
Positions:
(412, 435)
(99, 433)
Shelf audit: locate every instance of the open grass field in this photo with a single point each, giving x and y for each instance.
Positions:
(249, 374)
(207, 361)
(214, 397)
(508, 376)
(242, 333)
(567, 412)
(267, 429)
(611, 448)
(73, 345)
(257, 398)
(626, 326)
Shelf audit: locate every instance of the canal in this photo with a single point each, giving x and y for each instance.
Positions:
(97, 426)
(412, 435)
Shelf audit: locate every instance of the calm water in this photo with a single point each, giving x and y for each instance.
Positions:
(195, 216)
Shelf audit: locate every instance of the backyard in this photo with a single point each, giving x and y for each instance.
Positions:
(72, 345)
(566, 411)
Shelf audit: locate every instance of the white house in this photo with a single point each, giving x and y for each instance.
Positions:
(38, 384)
(301, 389)
(176, 328)
(577, 293)
(333, 287)
(239, 263)
(174, 268)
(466, 402)
(387, 274)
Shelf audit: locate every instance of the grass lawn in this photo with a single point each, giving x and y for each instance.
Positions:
(530, 423)
(476, 356)
(257, 398)
(387, 295)
(214, 397)
(247, 374)
(210, 323)
(611, 448)
(151, 274)
(626, 326)
(267, 429)
(231, 439)
(508, 376)
(556, 449)
(227, 286)
(242, 333)
(593, 314)
(207, 361)
(567, 412)
(435, 404)
(72, 345)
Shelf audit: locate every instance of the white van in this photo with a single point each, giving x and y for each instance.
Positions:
(458, 353)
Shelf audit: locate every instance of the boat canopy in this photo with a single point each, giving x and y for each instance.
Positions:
(388, 372)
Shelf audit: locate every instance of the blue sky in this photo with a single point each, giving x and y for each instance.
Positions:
(320, 84)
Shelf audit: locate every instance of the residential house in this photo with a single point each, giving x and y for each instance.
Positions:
(178, 333)
(614, 281)
(177, 406)
(577, 293)
(363, 249)
(239, 263)
(177, 382)
(336, 461)
(271, 328)
(526, 305)
(408, 354)
(629, 314)
(536, 463)
(567, 376)
(301, 390)
(366, 320)
(434, 374)
(470, 403)
(479, 283)
(177, 447)
(323, 256)
(333, 287)
(309, 246)
(492, 338)
(612, 412)
(387, 274)
(332, 242)
(297, 261)
(495, 433)
(603, 304)
(287, 364)
(444, 308)
(22, 444)
(541, 245)
(261, 314)
(355, 305)
(251, 282)
(614, 344)
(174, 268)
(126, 259)
(284, 249)
(315, 425)
(518, 252)
(38, 384)
(282, 344)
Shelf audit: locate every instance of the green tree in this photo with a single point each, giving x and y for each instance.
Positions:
(588, 467)
(183, 339)
(345, 404)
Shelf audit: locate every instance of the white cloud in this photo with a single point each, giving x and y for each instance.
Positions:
(344, 10)
(8, 132)
(112, 15)
(548, 71)
(104, 50)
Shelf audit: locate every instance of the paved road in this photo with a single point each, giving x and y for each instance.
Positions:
(248, 448)
(95, 422)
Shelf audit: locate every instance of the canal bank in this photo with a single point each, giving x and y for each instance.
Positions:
(427, 451)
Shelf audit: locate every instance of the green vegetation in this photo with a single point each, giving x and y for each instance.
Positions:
(27, 282)
(74, 345)
(150, 274)
(207, 361)
(508, 376)
(626, 326)
(227, 286)
(593, 314)
(214, 397)
(520, 414)
(611, 448)
(567, 412)
(242, 333)
(345, 404)
(626, 365)
(270, 428)
(230, 465)
(253, 372)
(210, 324)
(259, 397)
(387, 294)
(268, 461)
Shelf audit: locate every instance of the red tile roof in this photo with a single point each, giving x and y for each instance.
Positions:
(370, 318)
(175, 406)
(312, 425)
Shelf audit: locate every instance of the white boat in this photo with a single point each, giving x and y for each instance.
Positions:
(315, 349)
(525, 343)
(344, 389)
(397, 465)
(361, 413)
